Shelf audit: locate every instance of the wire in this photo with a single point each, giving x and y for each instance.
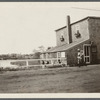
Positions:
(85, 9)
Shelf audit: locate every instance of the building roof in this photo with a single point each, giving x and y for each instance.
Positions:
(79, 21)
(71, 45)
(65, 46)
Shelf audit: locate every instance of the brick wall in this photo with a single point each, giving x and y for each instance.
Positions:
(58, 36)
(81, 26)
(71, 54)
(83, 30)
(94, 30)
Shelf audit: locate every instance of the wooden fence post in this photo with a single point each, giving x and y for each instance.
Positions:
(26, 62)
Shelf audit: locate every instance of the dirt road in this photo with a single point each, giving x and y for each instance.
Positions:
(55, 80)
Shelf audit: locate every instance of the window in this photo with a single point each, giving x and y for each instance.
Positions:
(62, 37)
(62, 54)
(59, 54)
(77, 27)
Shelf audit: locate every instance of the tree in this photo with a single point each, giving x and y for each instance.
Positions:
(41, 48)
(34, 51)
(36, 55)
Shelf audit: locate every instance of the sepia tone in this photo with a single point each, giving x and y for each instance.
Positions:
(70, 66)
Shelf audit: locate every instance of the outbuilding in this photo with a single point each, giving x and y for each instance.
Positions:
(84, 35)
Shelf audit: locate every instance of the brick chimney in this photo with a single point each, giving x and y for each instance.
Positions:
(69, 35)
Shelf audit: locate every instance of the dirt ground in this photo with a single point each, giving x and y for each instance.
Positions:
(55, 80)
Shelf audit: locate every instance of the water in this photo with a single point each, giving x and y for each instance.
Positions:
(18, 63)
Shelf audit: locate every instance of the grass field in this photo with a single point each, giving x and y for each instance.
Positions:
(55, 80)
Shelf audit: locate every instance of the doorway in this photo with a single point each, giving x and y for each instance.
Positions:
(87, 53)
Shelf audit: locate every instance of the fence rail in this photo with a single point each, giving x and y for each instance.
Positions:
(30, 62)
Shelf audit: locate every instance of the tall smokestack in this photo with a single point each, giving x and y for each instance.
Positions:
(69, 35)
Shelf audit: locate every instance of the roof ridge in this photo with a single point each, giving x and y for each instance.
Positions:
(78, 21)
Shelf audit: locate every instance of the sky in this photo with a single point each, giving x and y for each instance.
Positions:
(24, 26)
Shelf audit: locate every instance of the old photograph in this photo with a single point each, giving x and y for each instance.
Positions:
(49, 47)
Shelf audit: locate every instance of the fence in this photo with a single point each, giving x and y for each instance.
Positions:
(30, 62)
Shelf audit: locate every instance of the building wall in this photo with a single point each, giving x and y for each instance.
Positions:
(89, 29)
(48, 55)
(53, 55)
(83, 30)
(94, 30)
(58, 36)
(71, 54)
(82, 27)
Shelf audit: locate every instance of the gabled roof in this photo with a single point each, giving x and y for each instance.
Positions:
(79, 21)
(65, 46)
